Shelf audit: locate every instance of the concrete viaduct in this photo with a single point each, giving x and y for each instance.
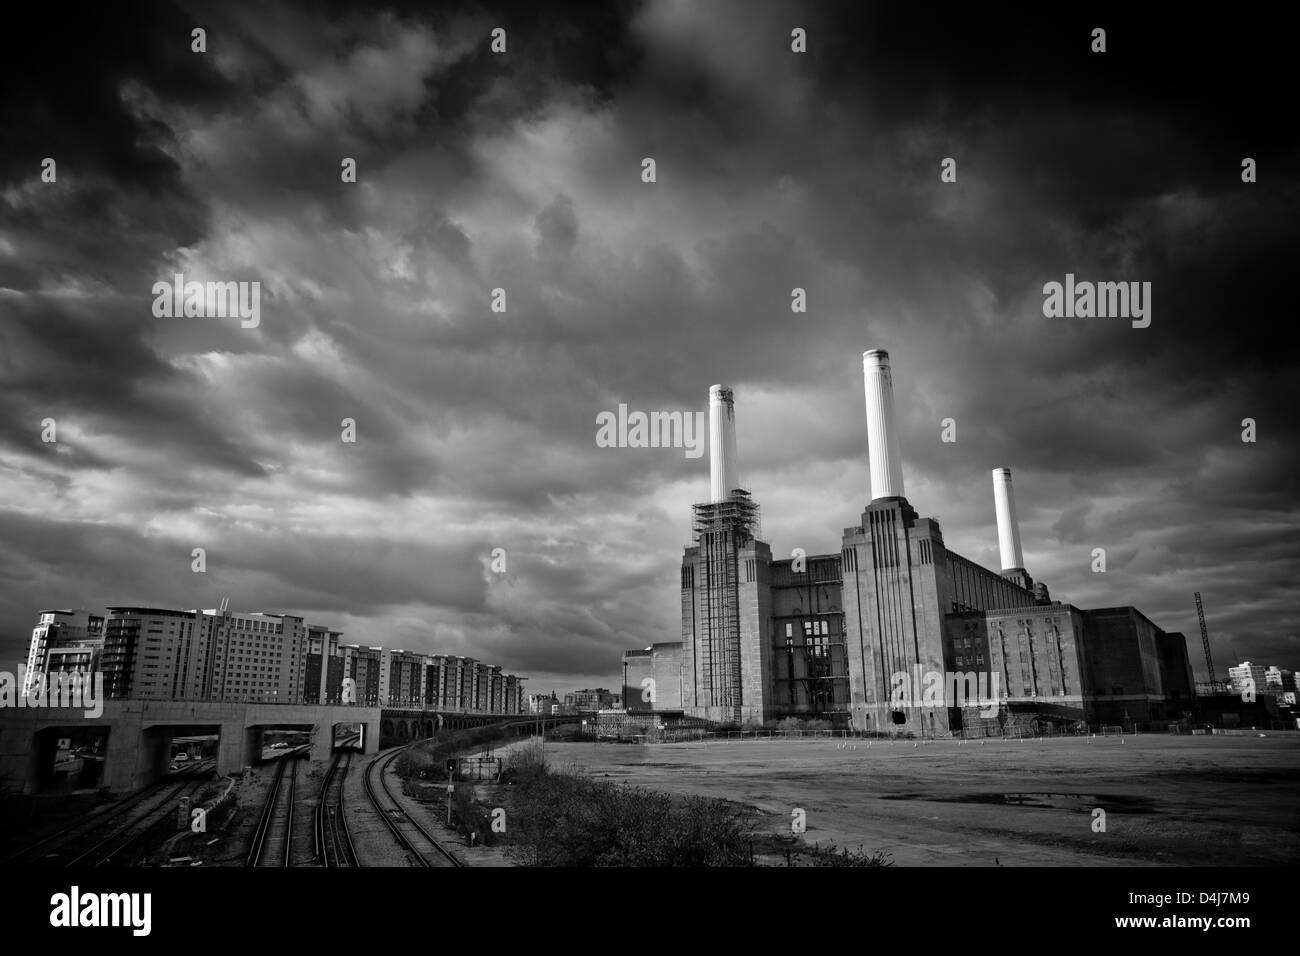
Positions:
(138, 749)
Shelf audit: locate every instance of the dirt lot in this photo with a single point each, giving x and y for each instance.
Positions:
(1216, 801)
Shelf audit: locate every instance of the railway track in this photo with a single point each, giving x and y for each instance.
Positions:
(333, 840)
(272, 843)
(408, 831)
(115, 829)
(118, 846)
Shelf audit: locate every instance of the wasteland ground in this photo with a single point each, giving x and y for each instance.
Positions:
(1203, 800)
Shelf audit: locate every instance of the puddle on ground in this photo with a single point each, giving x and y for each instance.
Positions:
(1081, 802)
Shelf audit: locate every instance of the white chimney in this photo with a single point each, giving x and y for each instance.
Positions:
(1008, 527)
(723, 478)
(882, 435)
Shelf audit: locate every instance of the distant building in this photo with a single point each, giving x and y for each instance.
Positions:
(1247, 676)
(544, 703)
(1279, 681)
(363, 665)
(326, 665)
(64, 641)
(588, 699)
(652, 678)
(170, 654)
(149, 653)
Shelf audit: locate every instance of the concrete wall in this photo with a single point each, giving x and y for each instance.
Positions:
(139, 732)
(894, 574)
(1035, 650)
(1122, 667)
(637, 667)
(1176, 672)
(666, 669)
(690, 632)
(755, 587)
(725, 633)
(1035, 654)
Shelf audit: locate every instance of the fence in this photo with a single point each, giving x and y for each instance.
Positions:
(1011, 732)
(482, 767)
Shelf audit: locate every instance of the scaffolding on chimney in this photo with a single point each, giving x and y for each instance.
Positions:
(738, 514)
(721, 529)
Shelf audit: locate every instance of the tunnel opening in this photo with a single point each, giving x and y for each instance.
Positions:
(177, 751)
(69, 759)
(350, 736)
(191, 753)
(275, 742)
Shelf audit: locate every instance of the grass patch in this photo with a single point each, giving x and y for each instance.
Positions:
(567, 819)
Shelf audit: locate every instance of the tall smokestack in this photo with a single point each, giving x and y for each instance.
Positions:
(1008, 527)
(882, 435)
(723, 478)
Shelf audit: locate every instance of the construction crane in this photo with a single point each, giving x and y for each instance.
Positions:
(1205, 637)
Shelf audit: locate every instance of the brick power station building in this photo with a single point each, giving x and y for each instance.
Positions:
(895, 632)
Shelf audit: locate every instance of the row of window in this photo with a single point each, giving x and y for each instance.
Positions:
(810, 628)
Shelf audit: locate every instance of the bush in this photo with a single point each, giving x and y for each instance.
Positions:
(468, 817)
(830, 856)
(525, 765)
(567, 819)
(798, 853)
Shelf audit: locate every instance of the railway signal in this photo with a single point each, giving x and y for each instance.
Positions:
(451, 788)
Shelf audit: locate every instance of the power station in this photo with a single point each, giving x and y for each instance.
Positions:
(895, 633)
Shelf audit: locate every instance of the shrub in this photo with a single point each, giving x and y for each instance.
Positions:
(470, 817)
(567, 819)
(830, 856)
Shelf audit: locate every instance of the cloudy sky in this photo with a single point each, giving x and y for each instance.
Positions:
(522, 171)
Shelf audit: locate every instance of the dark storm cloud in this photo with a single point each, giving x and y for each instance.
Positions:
(79, 368)
(62, 84)
(522, 171)
(313, 572)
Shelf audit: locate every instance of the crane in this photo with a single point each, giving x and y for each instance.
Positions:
(1205, 637)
